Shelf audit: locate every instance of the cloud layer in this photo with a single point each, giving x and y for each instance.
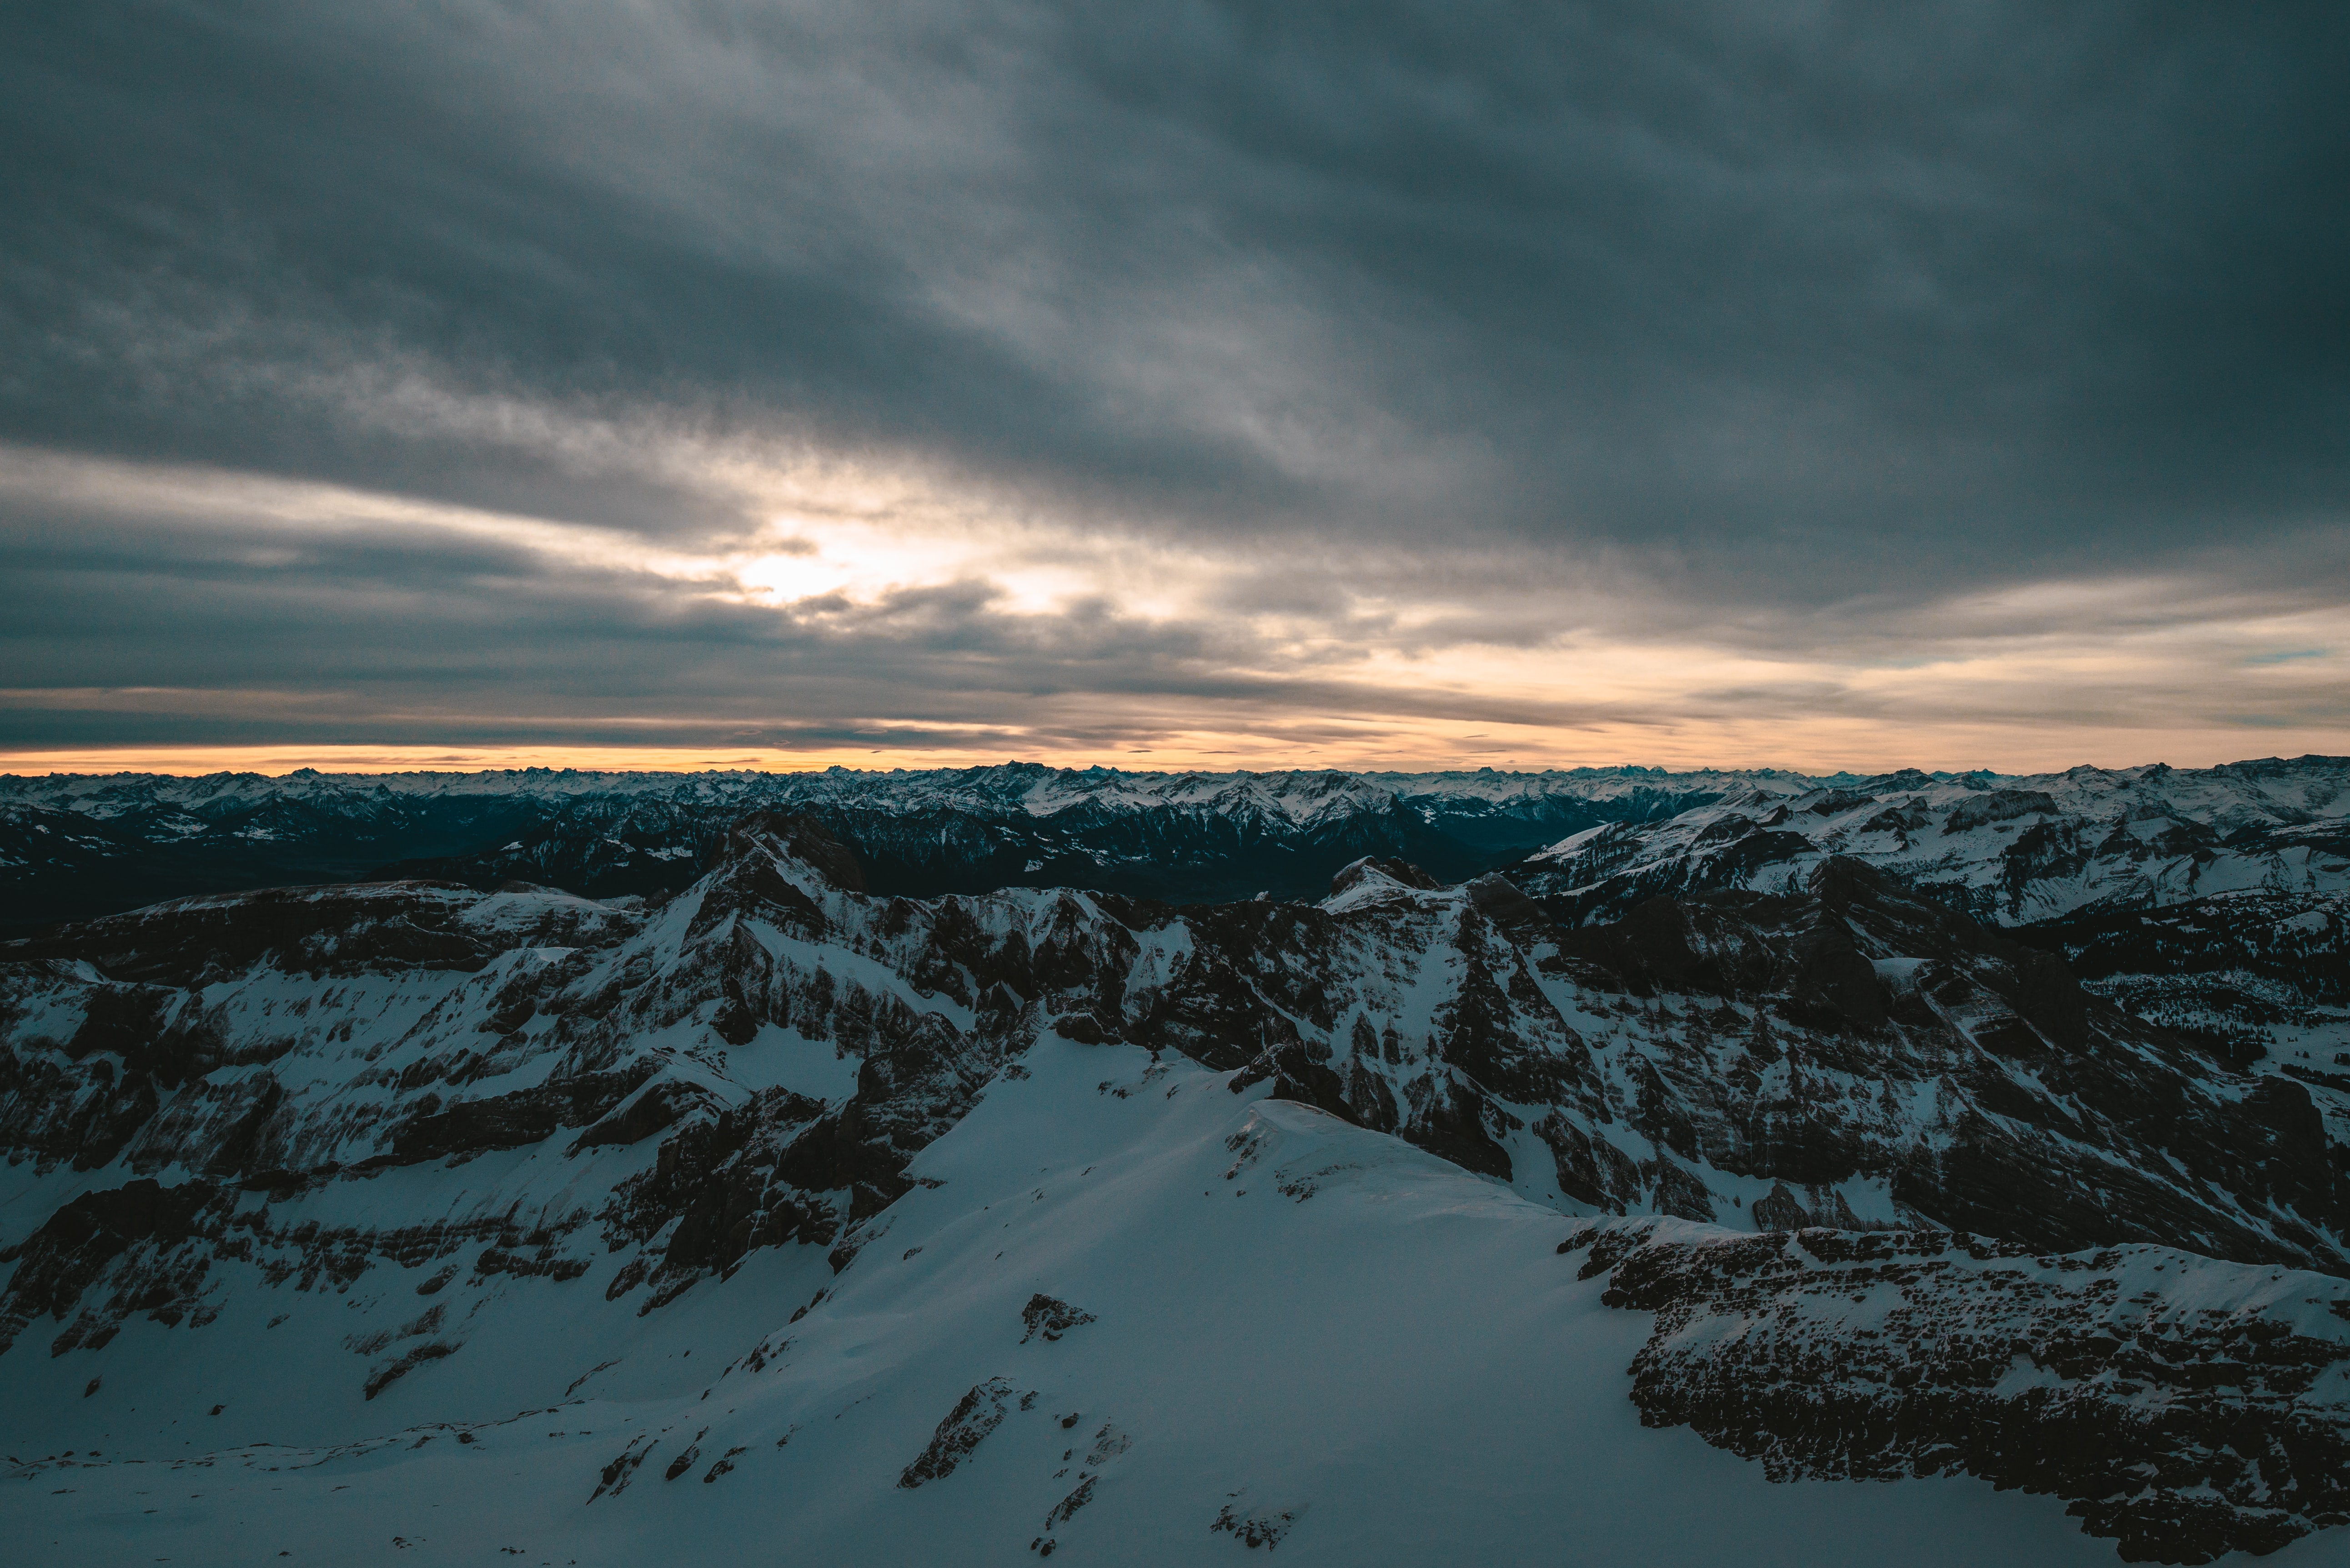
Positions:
(1197, 384)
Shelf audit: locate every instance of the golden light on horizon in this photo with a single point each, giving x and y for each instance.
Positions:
(998, 635)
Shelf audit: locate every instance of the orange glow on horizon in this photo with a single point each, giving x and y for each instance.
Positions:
(1812, 748)
(1397, 658)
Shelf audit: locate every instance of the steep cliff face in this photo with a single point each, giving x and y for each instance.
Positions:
(1892, 1039)
(2257, 976)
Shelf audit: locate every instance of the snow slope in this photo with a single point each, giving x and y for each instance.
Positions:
(1307, 1330)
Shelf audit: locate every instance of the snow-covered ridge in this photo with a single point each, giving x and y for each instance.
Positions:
(415, 1156)
(2010, 850)
(1037, 788)
(2283, 788)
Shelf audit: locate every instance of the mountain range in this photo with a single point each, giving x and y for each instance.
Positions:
(73, 846)
(1629, 1195)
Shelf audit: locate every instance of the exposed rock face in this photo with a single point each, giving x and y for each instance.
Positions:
(339, 1033)
(57, 1265)
(1850, 1054)
(1051, 1318)
(2245, 974)
(2207, 904)
(975, 1415)
(2183, 1406)
(1861, 1016)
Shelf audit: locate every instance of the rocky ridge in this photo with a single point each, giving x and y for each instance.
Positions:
(435, 1102)
(2185, 1407)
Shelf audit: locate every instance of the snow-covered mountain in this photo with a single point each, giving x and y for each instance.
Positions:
(2214, 903)
(2008, 850)
(416, 1220)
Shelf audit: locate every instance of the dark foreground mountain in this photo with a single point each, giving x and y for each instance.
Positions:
(965, 1227)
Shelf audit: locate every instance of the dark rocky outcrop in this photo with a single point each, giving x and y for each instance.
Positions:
(2174, 1402)
(76, 1245)
(1811, 1023)
(975, 1415)
(1051, 1318)
(513, 1120)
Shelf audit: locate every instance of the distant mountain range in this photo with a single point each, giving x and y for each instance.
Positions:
(2017, 849)
(75, 846)
(1887, 1128)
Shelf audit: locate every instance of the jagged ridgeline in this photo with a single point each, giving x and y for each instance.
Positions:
(385, 1134)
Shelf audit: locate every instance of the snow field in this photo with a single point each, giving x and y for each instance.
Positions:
(1290, 1316)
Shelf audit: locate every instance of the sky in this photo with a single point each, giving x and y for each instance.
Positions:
(1807, 385)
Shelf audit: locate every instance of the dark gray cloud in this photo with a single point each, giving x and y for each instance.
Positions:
(1767, 326)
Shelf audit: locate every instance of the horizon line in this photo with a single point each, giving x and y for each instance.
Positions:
(398, 762)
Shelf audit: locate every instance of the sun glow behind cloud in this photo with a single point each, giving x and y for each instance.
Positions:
(1069, 642)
